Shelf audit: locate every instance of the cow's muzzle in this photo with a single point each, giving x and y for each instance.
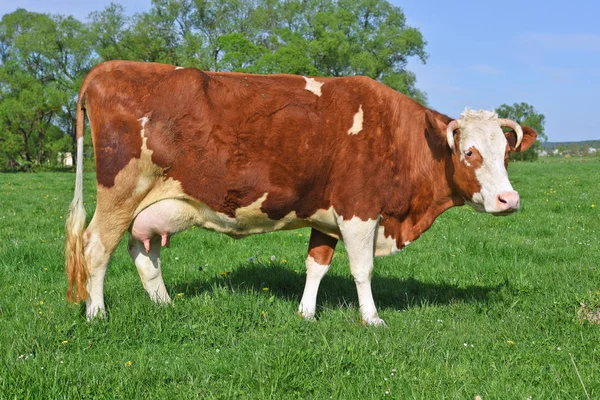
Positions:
(507, 203)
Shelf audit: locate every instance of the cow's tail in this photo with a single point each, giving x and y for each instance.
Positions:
(76, 267)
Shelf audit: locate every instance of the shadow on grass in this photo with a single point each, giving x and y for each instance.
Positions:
(388, 292)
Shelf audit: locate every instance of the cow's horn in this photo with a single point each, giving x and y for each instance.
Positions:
(512, 124)
(454, 124)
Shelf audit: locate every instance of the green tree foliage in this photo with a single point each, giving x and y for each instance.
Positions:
(314, 37)
(44, 58)
(525, 114)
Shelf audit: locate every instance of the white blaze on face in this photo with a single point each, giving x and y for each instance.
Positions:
(480, 130)
(357, 123)
(313, 86)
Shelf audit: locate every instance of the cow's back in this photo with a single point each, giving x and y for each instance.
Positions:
(231, 138)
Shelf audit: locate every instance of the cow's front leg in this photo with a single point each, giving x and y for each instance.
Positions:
(320, 253)
(359, 239)
(148, 266)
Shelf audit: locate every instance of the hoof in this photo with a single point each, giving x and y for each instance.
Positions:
(374, 322)
(309, 316)
(93, 312)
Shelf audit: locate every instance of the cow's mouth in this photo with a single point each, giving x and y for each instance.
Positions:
(504, 213)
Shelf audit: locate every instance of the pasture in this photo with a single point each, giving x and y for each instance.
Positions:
(479, 305)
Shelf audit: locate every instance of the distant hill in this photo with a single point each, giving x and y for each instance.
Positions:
(583, 145)
(568, 149)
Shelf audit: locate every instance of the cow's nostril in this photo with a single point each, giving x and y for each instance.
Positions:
(507, 201)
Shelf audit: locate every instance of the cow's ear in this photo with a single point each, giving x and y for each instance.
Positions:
(529, 136)
(436, 132)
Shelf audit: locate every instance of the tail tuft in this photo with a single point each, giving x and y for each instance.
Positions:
(75, 259)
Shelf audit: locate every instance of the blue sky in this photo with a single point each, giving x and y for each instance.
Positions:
(481, 54)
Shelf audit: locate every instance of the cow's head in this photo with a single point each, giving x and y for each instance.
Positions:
(480, 157)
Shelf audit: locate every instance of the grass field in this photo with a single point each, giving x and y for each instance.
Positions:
(480, 305)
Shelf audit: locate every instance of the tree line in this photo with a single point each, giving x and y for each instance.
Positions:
(44, 58)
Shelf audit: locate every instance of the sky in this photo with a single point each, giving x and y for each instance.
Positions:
(481, 54)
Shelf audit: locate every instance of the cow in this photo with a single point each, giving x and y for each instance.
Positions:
(243, 154)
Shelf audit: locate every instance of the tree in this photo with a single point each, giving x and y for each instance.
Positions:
(42, 62)
(525, 114)
(339, 38)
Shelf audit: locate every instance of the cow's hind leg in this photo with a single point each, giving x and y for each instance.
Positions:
(320, 253)
(148, 266)
(100, 241)
(359, 239)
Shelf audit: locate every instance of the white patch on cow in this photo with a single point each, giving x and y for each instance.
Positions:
(313, 85)
(326, 222)
(142, 185)
(359, 239)
(143, 122)
(384, 245)
(406, 243)
(144, 181)
(178, 68)
(314, 274)
(481, 130)
(357, 123)
(477, 202)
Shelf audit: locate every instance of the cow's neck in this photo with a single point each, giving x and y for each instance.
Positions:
(425, 191)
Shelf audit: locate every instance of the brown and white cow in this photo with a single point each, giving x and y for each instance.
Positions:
(244, 154)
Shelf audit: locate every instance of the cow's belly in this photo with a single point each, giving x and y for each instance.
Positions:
(167, 217)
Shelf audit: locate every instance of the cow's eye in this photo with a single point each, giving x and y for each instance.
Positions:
(468, 153)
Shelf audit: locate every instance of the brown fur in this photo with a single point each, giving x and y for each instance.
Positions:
(321, 247)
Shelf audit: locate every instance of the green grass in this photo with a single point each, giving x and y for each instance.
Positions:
(479, 305)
